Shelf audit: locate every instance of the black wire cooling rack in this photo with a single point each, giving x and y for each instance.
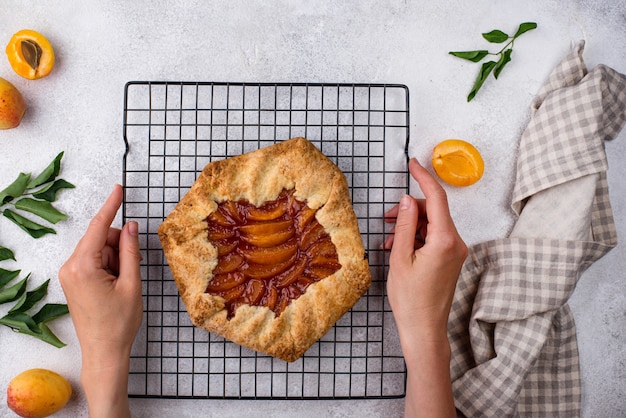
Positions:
(172, 130)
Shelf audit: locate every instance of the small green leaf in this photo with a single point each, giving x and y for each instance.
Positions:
(50, 311)
(504, 59)
(21, 322)
(33, 229)
(7, 275)
(525, 27)
(14, 189)
(48, 336)
(41, 208)
(48, 174)
(6, 254)
(474, 56)
(24, 324)
(29, 299)
(496, 36)
(49, 192)
(14, 292)
(485, 70)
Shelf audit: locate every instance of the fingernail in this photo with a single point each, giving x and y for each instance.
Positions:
(133, 228)
(405, 202)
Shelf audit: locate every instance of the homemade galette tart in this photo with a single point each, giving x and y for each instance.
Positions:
(265, 248)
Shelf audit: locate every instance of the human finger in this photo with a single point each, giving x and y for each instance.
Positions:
(113, 237)
(391, 214)
(110, 261)
(98, 230)
(388, 243)
(436, 204)
(129, 254)
(403, 249)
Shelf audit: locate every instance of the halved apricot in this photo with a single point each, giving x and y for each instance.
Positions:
(30, 54)
(458, 162)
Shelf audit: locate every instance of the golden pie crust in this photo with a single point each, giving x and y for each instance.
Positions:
(258, 177)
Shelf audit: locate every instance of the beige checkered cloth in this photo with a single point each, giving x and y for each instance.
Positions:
(513, 338)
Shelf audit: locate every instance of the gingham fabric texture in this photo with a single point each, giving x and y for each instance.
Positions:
(512, 334)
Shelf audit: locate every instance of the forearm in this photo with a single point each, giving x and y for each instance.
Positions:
(429, 389)
(106, 388)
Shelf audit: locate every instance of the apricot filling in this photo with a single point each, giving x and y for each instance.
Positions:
(268, 255)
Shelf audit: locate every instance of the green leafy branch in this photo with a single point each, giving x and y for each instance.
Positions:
(34, 196)
(496, 36)
(18, 317)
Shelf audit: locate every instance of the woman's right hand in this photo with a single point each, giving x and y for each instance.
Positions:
(427, 254)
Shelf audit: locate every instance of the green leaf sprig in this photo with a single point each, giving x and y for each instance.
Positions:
(34, 196)
(496, 36)
(18, 318)
(31, 196)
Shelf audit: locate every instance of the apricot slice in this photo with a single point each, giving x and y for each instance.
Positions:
(318, 273)
(228, 263)
(234, 293)
(225, 281)
(324, 247)
(305, 218)
(225, 246)
(270, 298)
(267, 235)
(232, 209)
(259, 271)
(30, 54)
(266, 212)
(312, 234)
(322, 260)
(458, 162)
(305, 281)
(254, 291)
(282, 301)
(220, 218)
(218, 232)
(266, 228)
(293, 274)
(271, 255)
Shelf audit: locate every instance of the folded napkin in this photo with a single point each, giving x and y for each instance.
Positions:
(512, 334)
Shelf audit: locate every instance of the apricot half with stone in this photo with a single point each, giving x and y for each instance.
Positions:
(458, 162)
(30, 54)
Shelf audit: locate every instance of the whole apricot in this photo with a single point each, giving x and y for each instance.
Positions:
(12, 106)
(38, 393)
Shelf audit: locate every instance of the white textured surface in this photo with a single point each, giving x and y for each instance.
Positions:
(102, 45)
